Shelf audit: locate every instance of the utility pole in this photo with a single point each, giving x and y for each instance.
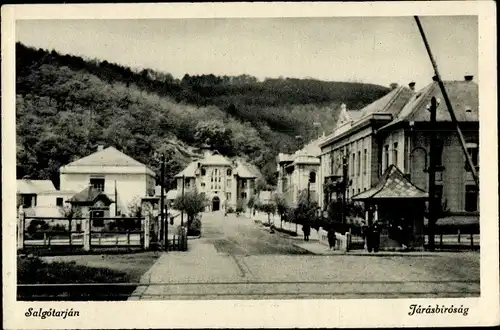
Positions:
(163, 226)
(182, 211)
(432, 174)
(448, 103)
(345, 178)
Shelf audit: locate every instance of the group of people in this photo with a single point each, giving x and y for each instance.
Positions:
(306, 228)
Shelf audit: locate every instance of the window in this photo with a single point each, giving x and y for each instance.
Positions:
(228, 183)
(29, 200)
(78, 227)
(203, 172)
(353, 164)
(59, 201)
(385, 165)
(97, 183)
(332, 171)
(97, 220)
(228, 196)
(395, 154)
(312, 177)
(243, 183)
(243, 195)
(365, 158)
(471, 198)
(439, 152)
(359, 163)
(473, 150)
(203, 184)
(229, 172)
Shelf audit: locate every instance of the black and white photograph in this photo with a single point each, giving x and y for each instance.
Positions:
(250, 159)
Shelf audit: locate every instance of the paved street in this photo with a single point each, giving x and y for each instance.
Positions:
(238, 259)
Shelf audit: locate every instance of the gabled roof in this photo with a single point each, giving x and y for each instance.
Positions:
(107, 157)
(463, 96)
(393, 184)
(88, 196)
(393, 102)
(189, 171)
(243, 171)
(215, 159)
(26, 186)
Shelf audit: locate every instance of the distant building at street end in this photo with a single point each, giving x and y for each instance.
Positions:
(224, 182)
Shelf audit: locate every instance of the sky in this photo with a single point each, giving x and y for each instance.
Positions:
(379, 50)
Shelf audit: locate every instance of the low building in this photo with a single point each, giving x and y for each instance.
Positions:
(224, 182)
(123, 179)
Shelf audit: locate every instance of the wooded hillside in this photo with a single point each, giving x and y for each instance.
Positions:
(67, 105)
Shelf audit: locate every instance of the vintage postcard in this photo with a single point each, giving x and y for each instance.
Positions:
(249, 165)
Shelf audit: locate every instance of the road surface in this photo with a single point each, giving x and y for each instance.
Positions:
(238, 259)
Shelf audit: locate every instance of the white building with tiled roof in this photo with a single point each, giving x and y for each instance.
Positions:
(224, 182)
(123, 179)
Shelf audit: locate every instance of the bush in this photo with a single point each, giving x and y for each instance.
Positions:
(34, 270)
(194, 228)
(230, 209)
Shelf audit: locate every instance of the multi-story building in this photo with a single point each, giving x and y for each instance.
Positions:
(224, 182)
(395, 130)
(405, 142)
(355, 139)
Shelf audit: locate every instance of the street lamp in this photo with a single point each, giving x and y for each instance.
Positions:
(163, 206)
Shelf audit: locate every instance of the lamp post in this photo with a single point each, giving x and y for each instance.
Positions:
(182, 211)
(163, 223)
(432, 173)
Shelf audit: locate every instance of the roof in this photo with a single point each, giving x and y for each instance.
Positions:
(88, 195)
(107, 157)
(463, 96)
(189, 171)
(172, 194)
(393, 184)
(215, 159)
(26, 186)
(312, 149)
(243, 171)
(456, 220)
(393, 102)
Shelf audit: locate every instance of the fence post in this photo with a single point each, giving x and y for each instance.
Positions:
(472, 240)
(86, 234)
(458, 235)
(441, 240)
(20, 230)
(44, 239)
(347, 240)
(147, 220)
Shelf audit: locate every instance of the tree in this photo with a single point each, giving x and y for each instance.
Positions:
(252, 203)
(268, 208)
(216, 135)
(281, 205)
(306, 210)
(192, 203)
(70, 212)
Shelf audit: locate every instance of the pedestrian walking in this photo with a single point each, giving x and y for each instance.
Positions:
(332, 238)
(307, 231)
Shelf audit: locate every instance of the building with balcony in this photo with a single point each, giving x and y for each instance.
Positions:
(355, 140)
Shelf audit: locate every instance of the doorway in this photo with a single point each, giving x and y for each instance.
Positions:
(215, 204)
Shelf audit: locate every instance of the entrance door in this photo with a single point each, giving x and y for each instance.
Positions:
(215, 204)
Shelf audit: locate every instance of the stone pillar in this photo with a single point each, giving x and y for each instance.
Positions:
(20, 229)
(86, 226)
(146, 226)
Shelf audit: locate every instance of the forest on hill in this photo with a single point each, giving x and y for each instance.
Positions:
(67, 105)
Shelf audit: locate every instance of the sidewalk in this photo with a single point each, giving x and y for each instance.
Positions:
(320, 249)
(200, 264)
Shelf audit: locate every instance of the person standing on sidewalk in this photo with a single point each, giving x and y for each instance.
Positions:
(306, 228)
(331, 238)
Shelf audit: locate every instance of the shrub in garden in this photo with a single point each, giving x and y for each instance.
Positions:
(230, 209)
(194, 228)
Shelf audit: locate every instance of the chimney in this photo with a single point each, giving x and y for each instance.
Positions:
(468, 77)
(412, 85)
(394, 85)
(100, 147)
